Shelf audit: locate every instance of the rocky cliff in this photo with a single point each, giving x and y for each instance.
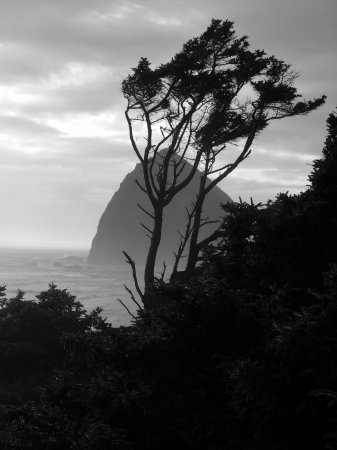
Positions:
(119, 227)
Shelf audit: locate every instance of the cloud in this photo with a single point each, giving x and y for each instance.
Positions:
(76, 88)
(54, 201)
(63, 138)
(258, 190)
(82, 152)
(102, 35)
(25, 126)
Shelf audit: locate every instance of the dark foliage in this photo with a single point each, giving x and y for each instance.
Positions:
(291, 241)
(30, 333)
(243, 357)
(323, 177)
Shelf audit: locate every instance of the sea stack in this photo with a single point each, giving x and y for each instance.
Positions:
(120, 225)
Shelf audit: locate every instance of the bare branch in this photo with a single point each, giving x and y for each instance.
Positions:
(185, 182)
(162, 274)
(123, 304)
(147, 229)
(134, 274)
(132, 296)
(243, 155)
(211, 172)
(142, 188)
(133, 142)
(144, 210)
(212, 237)
(208, 222)
(184, 238)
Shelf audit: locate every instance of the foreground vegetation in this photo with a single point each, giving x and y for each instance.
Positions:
(244, 356)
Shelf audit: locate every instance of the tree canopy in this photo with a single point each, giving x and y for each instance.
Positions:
(214, 93)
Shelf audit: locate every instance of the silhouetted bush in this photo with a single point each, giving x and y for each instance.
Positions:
(30, 338)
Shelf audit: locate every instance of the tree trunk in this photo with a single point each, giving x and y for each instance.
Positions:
(193, 252)
(152, 253)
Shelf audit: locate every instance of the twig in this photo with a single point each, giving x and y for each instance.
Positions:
(147, 229)
(134, 274)
(132, 296)
(146, 212)
(163, 272)
(123, 304)
(140, 186)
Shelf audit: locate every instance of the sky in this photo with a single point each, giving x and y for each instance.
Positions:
(64, 147)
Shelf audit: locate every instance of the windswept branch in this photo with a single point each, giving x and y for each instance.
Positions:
(142, 188)
(162, 274)
(211, 238)
(243, 155)
(134, 274)
(183, 239)
(144, 210)
(132, 139)
(132, 296)
(124, 306)
(147, 229)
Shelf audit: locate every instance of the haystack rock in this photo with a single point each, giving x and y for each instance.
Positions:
(119, 227)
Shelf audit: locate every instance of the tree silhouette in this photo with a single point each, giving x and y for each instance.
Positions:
(214, 93)
(323, 177)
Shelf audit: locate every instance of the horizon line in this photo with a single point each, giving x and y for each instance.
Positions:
(44, 245)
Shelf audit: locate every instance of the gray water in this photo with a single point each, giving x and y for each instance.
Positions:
(31, 271)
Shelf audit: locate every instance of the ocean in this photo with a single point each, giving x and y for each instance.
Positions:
(32, 270)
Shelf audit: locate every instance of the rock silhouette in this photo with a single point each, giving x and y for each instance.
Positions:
(120, 225)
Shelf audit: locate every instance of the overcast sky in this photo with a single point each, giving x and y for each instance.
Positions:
(63, 139)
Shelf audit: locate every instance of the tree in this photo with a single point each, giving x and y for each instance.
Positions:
(323, 177)
(213, 94)
(291, 241)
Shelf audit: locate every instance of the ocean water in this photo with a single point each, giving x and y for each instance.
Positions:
(31, 271)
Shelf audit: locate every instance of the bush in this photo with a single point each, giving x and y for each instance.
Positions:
(30, 338)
